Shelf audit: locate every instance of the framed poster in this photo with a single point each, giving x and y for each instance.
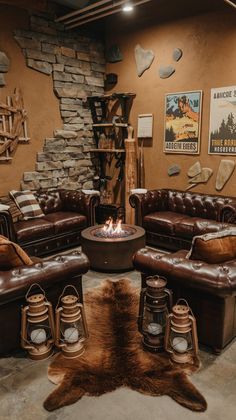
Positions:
(182, 122)
(222, 131)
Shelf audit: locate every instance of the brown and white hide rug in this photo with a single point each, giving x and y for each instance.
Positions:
(114, 356)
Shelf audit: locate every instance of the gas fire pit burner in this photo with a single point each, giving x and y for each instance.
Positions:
(124, 233)
(110, 248)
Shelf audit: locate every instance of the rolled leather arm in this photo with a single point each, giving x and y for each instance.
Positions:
(228, 213)
(7, 225)
(81, 203)
(15, 282)
(151, 201)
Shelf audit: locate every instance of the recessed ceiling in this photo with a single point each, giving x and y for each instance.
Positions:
(89, 11)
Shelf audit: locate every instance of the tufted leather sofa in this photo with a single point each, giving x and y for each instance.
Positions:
(210, 290)
(66, 214)
(52, 275)
(172, 218)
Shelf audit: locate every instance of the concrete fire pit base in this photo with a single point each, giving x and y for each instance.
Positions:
(112, 254)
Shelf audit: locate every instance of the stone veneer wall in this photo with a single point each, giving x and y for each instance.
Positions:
(77, 66)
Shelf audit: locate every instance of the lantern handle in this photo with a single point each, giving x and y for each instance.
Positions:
(31, 287)
(156, 276)
(63, 291)
(185, 301)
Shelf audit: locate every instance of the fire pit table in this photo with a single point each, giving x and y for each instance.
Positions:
(111, 249)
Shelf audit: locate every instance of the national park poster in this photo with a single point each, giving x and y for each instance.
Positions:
(222, 132)
(182, 122)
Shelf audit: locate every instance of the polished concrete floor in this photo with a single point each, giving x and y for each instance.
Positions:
(24, 386)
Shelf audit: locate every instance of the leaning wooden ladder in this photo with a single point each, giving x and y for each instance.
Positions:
(13, 125)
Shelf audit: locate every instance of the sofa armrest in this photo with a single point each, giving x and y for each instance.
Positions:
(151, 201)
(15, 282)
(7, 225)
(81, 203)
(228, 213)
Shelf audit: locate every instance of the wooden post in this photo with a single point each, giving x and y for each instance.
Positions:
(130, 174)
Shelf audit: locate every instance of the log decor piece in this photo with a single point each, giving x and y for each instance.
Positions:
(130, 173)
(13, 126)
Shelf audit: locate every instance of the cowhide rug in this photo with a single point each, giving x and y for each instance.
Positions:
(114, 356)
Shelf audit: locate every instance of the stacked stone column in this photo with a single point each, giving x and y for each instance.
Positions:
(77, 65)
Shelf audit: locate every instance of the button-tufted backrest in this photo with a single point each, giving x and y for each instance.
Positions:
(196, 204)
(49, 201)
(154, 200)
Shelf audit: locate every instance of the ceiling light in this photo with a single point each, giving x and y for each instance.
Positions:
(127, 7)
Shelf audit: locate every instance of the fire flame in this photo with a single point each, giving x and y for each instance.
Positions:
(112, 228)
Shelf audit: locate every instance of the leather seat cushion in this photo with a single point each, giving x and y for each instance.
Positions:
(180, 225)
(202, 226)
(160, 222)
(33, 229)
(170, 223)
(66, 221)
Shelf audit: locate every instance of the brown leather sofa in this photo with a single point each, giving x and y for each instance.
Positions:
(52, 275)
(66, 214)
(210, 290)
(172, 218)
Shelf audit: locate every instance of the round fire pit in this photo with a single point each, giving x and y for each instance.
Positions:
(112, 253)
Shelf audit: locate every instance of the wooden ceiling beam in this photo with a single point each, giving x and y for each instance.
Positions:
(231, 3)
(84, 9)
(99, 16)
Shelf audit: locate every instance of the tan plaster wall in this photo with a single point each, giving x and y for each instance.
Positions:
(209, 61)
(40, 102)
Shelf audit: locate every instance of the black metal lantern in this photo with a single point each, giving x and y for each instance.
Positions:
(155, 303)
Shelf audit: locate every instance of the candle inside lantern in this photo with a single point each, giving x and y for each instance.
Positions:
(38, 336)
(154, 328)
(180, 344)
(71, 335)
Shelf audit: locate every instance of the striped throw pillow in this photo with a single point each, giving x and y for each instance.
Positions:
(27, 204)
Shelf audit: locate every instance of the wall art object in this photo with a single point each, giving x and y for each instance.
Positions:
(177, 54)
(182, 122)
(203, 177)
(174, 170)
(143, 58)
(224, 173)
(222, 133)
(13, 128)
(145, 126)
(195, 169)
(4, 67)
(113, 54)
(166, 71)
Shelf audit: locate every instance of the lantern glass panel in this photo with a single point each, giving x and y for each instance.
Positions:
(39, 333)
(72, 332)
(181, 342)
(154, 322)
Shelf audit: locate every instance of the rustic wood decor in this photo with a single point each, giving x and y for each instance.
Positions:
(130, 173)
(13, 126)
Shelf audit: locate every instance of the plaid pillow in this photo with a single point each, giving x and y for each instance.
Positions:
(27, 203)
(13, 209)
